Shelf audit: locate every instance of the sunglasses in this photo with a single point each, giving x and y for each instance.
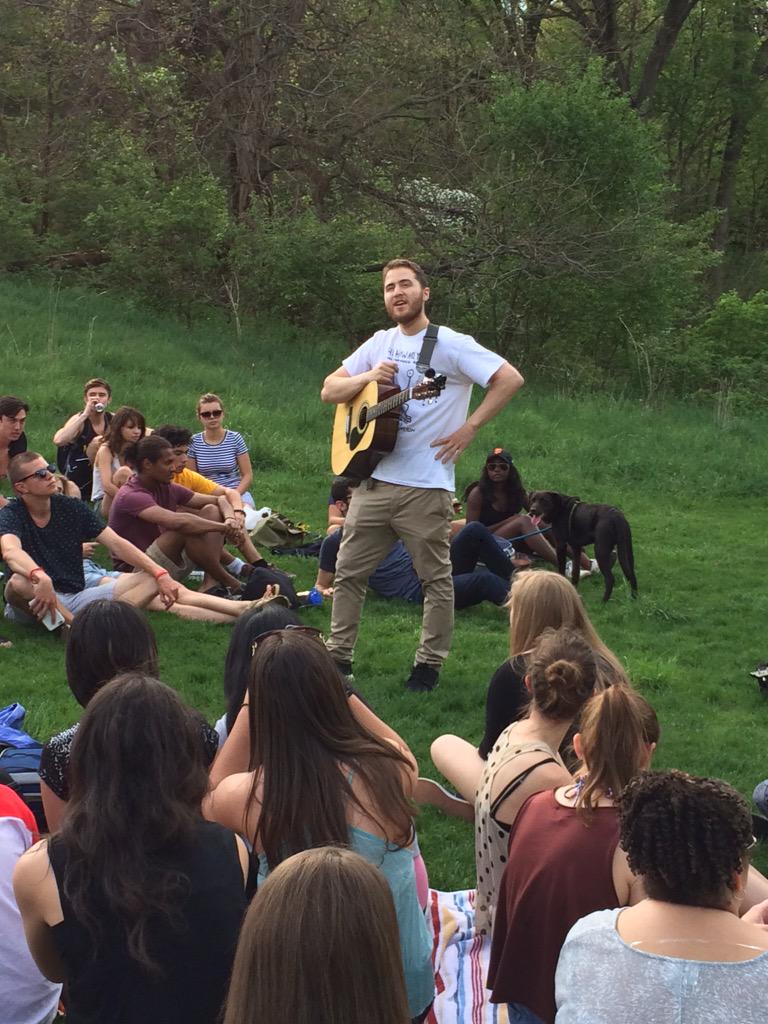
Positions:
(211, 414)
(310, 631)
(42, 474)
(497, 465)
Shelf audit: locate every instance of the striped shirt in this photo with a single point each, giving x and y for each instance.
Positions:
(218, 462)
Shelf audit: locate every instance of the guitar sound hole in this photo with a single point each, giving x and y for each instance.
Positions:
(363, 418)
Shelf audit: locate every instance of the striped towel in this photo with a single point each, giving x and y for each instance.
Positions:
(461, 963)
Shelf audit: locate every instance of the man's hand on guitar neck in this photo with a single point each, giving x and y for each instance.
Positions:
(451, 447)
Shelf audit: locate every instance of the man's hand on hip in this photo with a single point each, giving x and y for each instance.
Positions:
(451, 447)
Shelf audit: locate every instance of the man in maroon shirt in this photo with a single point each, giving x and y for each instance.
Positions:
(149, 510)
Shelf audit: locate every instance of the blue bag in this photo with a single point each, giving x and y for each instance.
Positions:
(11, 733)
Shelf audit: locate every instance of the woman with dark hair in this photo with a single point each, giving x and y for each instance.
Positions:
(499, 501)
(683, 953)
(107, 638)
(318, 777)
(237, 666)
(335, 902)
(136, 904)
(126, 428)
(564, 858)
(13, 440)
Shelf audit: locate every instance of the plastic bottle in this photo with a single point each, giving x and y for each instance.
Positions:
(310, 597)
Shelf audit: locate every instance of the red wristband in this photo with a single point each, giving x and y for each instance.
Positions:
(31, 573)
(163, 572)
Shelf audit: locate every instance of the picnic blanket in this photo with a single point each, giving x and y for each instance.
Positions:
(461, 960)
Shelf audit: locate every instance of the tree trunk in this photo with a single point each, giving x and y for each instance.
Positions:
(673, 19)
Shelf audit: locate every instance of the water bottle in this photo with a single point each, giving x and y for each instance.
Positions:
(263, 513)
(310, 597)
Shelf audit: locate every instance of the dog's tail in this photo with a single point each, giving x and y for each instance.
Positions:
(625, 554)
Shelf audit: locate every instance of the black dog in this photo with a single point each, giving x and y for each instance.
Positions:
(576, 523)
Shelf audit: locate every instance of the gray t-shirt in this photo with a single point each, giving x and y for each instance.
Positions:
(602, 980)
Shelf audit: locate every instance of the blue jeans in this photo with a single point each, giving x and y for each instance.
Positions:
(475, 543)
(522, 1015)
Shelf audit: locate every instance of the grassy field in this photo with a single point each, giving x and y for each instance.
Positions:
(694, 492)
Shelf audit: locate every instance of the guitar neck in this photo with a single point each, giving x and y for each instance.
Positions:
(388, 404)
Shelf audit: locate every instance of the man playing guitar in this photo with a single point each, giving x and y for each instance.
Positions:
(409, 494)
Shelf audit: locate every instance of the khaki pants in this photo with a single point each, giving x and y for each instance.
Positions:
(379, 516)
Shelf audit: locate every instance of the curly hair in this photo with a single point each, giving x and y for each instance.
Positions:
(685, 835)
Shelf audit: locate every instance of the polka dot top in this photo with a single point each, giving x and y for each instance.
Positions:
(492, 837)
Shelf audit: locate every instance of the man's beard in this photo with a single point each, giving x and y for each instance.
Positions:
(404, 315)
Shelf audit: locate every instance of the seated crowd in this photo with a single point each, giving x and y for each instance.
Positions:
(268, 867)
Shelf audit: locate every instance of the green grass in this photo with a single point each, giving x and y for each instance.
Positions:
(694, 493)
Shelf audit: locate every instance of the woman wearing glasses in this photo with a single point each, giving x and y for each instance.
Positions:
(324, 779)
(219, 454)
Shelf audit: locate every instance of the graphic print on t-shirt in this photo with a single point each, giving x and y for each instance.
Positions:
(464, 363)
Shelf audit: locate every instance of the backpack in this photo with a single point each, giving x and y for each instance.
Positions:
(276, 530)
(20, 769)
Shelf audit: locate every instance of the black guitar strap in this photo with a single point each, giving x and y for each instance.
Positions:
(427, 348)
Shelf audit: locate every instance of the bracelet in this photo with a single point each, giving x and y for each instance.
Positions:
(239, 512)
(31, 573)
(163, 572)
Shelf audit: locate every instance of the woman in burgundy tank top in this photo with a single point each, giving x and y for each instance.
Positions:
(564, 859)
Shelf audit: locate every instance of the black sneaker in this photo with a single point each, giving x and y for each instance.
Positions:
(423, 678)
(345, 668)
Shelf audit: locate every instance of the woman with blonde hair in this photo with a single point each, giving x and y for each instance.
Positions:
(220, 454)
(293, 964)
(537, 601)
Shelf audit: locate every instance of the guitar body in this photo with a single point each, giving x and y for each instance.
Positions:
(357, 446)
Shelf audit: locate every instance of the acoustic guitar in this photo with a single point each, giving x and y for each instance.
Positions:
(365, 429)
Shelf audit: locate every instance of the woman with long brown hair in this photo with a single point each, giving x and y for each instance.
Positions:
(318, 777)
(564, 858)
(293, 959)
(126, 428)
(137, 902)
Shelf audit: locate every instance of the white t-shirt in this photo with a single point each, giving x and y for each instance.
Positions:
(464, 363)
(26, 997)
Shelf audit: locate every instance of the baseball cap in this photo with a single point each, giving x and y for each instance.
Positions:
(499, 454)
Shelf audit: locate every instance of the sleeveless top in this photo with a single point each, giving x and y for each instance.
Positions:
(560, 869)
(97, 487)
(194, 951)
(492, 837)
(396, 864)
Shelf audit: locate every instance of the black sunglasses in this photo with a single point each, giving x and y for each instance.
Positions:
(42, 474)
(292, 627)
(211, 414)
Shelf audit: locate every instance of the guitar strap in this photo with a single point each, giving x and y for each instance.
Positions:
(427, 348)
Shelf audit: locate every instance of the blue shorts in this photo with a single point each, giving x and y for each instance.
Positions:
(72, 602)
